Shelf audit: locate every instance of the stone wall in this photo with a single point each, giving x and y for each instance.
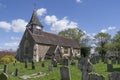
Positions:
(42, 50)
(25, 50)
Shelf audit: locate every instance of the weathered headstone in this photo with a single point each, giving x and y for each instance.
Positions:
(26, 64)
(65, 73)
(118, 61)
(93, 60)
(5, 69)
(66, 62)
(33, 65)
(3, 76)
(109, 67)
(97, 59)
(114, 76)
(54, 62)
(106, 60)
(50, 68)
(86, 67)
(95, 76)
(16, 72)
(113, 60)
(14, 64)
(43, 64)
(73, 62)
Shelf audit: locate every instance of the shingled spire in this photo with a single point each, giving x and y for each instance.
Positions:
(34, 24)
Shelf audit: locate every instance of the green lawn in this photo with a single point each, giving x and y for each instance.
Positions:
(55, 75)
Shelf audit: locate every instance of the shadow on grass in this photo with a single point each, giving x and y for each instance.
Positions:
(116, 69)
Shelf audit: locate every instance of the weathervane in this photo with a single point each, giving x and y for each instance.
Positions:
(34, 4)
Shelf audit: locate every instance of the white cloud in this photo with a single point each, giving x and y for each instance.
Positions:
(59, 25)
(84, 32)
(111, 28)
(11, 44)
(50, 19)
(18, 25)
(41, 11)
(108, 29)
(103, 30)
(79, 1)
(63, 24)
(15, 38)
(5, 25)
(93, 34)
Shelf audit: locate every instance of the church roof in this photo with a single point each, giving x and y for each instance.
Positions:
(53, 39)
(35, 20)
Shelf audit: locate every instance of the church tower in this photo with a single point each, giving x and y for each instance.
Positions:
(34, 24)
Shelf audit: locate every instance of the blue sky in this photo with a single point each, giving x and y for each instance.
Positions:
(92, 16)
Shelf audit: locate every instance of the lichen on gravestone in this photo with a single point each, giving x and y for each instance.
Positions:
(3, 76)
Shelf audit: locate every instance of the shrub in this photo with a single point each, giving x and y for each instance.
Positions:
(7, 59)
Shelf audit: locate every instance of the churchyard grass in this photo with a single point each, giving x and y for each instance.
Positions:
(100, 68)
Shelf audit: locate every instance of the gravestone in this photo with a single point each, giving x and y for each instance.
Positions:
(114, 76)
(93, 60)
(33, 65)
(66, 62)
(50, 68)
(97, 59)
(106, 60)
(114, 60)
(65, 73)
(118, 61)
(16, 72)
(109, 67)
(43, 64)
(26, 64)
(14, 64)
(73, 62)
(5, 69)
(86, 67)
(54, 62)
(3, 76)
(95, 76)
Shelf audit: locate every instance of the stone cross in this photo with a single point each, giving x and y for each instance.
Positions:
(85, 66)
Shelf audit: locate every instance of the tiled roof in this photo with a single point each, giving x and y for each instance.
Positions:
(53, 39)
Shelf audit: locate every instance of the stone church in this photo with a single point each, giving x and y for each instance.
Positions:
(36, 44)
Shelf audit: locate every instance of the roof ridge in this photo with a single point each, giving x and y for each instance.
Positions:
(57, 35)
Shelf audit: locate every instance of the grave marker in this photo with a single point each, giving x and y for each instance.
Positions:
(65, 73)
(3, 76)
